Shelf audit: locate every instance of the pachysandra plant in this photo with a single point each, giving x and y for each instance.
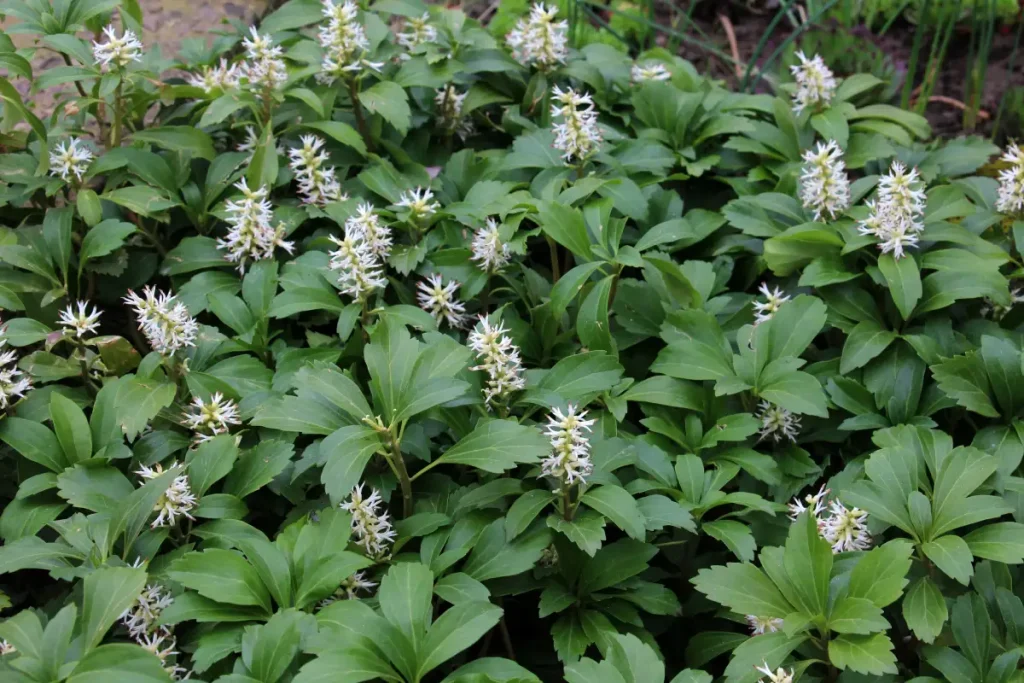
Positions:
(371, 343)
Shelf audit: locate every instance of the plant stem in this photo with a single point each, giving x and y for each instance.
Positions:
(403, 476)
(357, 111)
(553, 248)
(566, 503)
(115, 129)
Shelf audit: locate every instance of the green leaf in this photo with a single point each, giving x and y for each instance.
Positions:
(139, 401)
(33, 441)
(794, 326)
(952, 556)
(564, 224)
(184, 139)
(865, 342)
(71, 428)
(106, 593)
(388, 99)
(592, 324)
(1002, 542)
(613, 564)
(857, 615)
(863, 654)
(735, 535)
(454, 631)
(880, 574)
(221, 575)
(57, 234)
(121, 662)
(405, 600)
(963, 379)
(796, 391)
(458, 588)
(904, 280)
(493, 557)
(582, 375)
(268, 650)
(341, 132)
(263, 167)
(497, 445)
(257, 467)
(808, 560)
(346, 452)
(743, 588)
(925, 610)
(102, 239)
(666, 391)
(615, 503)
(585, 529)
(211, 462)
(525, 509)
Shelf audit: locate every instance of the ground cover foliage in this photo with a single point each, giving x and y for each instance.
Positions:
(366, 345)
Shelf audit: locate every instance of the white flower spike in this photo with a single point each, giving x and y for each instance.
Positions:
(264, 68)
(356, 266)
(371, 526)
(141, 617)
(780, 675)
(439, 300)
(164, 320)
(569, 461)
(210, 418)
(895, 214)
(118, 51)
(815, 84)
(224, 76)
(419, 203)
(846, 528)
(250, 233)
(365, 225)
(418, 31)
(176, 500)
(317, 182)
(651, 71)
(489, 252)
(81, 322)
(70, 160)
(761, 625)
(765, 310)
(539, 40)
(344, 43)
(499, 358)
(577, 136)
(449, 112)
(824, 185)
(1011, 182)
(777, 422)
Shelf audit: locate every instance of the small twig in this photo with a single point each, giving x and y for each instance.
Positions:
(982, 114)
(507, 639)
(491, 9)
(734, 48)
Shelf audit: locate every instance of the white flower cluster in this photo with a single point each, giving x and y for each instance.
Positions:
(569, 461)
(164, 320)
(154, 643)
(499, 358)
(356, 262)
(764, 311)
(263, 68)
(81, 321)
(780, 675)
(344, 42)
(815, 84)
(119, 51)
(777, 422)
(224, 76)
(439, 300)
(251, 235)
(366, 226)
(418, 31)
(349, 589)
(71, 159)
(142, 615)
(651, 71)
(844, 528)
(895, 218)
(210, 418)
(539, 40)
(371, 526)
(576, 134)
(449, 112)
(761, 625)
(824, 186)
(176, 500)
(418, 202)
(1011, 182)
(490, 253)
(317, 182)
(13, 383)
